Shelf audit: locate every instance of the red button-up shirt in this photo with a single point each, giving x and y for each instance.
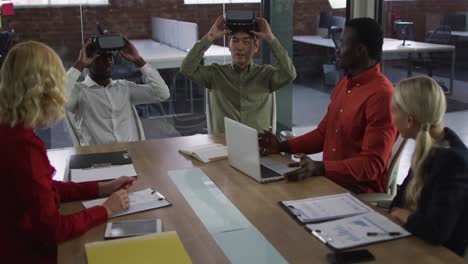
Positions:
(356, 135)
(31, 225)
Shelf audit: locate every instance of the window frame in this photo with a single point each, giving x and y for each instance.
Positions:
(202, 2)
(49, 4)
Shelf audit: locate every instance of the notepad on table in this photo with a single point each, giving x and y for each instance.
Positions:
(325, 208)
(163, 247)
(100, 166)
(206, 153)
(139, 201)
(357, 230)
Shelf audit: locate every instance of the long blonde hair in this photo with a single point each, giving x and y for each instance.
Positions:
(423, 98)
(32, 86)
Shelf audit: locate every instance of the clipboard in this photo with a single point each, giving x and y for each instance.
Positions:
(353, 231)
(324, 208)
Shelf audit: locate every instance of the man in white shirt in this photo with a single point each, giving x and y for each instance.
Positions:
(103, 107)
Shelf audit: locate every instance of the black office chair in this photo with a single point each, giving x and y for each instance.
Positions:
(456, 22)
(335, 33)
(441, 35)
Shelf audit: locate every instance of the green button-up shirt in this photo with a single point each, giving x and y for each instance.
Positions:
(242, 95)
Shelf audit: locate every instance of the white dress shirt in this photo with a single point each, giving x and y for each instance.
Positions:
(103, 115)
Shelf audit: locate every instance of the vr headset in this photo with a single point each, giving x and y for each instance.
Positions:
(105, 44)
(237, 20)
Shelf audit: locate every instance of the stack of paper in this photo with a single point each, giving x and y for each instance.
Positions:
(206, 153)
(155, 248)
(325, 208)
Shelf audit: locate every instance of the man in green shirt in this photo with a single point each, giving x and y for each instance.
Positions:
(241, 90)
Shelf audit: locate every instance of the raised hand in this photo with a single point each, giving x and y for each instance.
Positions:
(131, 54)
(265, 30)
(218, 29)
(83, 60)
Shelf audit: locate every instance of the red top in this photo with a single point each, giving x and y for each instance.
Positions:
(31, 225)
(356, 135)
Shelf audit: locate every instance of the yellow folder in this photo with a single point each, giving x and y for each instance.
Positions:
(163, 247)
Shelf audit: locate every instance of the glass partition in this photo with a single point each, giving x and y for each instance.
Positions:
(163, 32)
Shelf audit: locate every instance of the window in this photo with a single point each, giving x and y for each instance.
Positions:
(220, 1)
(27, 3)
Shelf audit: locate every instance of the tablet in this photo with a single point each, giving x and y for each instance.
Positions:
(132, 228)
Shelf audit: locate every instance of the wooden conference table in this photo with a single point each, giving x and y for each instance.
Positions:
(258, 202)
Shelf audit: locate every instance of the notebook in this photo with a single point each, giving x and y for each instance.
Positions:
(357, 230)
(143, 200)
(324, 208)
(163, 247)
(206, 153)
(100, 166)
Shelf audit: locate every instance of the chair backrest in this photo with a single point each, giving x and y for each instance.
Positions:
(6, 41)
(208, 111)
(139, 126)
(455, 21)
(393, 165)
(441, 35)
(335, 33)
(273, 112)
(69, 121)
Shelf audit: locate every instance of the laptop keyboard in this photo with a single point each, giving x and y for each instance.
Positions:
(267, 172)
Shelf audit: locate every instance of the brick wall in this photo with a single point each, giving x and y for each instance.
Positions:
(60, 26)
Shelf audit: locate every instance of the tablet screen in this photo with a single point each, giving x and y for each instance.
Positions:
(132, 228)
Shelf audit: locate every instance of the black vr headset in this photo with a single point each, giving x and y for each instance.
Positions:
(105, 44)
(237, 20)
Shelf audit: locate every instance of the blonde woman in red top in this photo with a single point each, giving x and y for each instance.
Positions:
(32, 95)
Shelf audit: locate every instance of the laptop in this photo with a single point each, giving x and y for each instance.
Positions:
(243, 153)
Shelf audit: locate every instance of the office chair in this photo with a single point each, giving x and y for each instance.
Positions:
(383, 200)
(335, 33)
(456, 22)
(6, 42)
(72, 129)
(440, 35)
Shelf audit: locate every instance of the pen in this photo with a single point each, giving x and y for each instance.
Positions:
(383, 234)
(160, 196)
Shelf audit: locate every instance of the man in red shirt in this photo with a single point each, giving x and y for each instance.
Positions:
(356, 135)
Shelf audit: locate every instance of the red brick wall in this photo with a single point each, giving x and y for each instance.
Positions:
(60, 27)
(306, 13)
